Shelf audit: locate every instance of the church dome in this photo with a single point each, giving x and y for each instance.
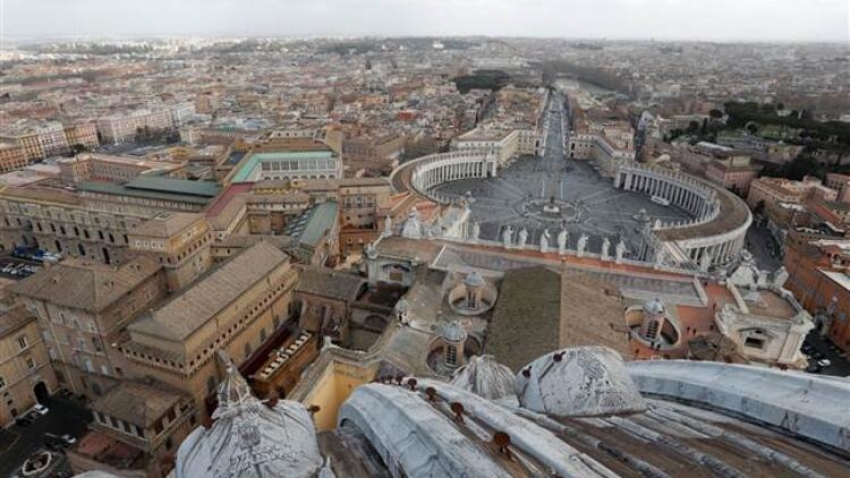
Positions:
(473, 279)
(454, 332)
(581, 381)
(486, 377)
(249, 438)
(653, 307)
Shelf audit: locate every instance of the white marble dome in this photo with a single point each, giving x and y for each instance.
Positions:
(249, 438)
(583, 381)
(454, 332)
(485, 377)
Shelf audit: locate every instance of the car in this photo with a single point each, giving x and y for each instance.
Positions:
(68, 439)
(817, 355)
(814, 368)
(23, 421)
(824, 362)
(40, 409)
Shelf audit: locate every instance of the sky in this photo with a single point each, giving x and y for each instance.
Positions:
(714, 20)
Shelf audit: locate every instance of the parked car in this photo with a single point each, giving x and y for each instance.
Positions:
(817, 355)
(814, 368)
(824, 362)
(40, 409)
(23, 421)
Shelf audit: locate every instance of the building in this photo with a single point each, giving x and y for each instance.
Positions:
(608, 143)
(770, 191)
(734, 173)
(180, 241)
(314, 162)
(83, 309)
(122, 127)
(12, 157)
(235, 307)
(82, 134)
(364, 203)
(26, 376)
(114, 169)
(818, 278)
(137, 426)
(148, 195)
(39, 140)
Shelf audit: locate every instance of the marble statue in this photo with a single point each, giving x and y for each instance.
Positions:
(619, 251)
(506, 237)
(582, 245)
(659, 258)
(388, 226)
(780, 277)
(563, 237)
(657, 224)
(370, 250)
(476, 231)
(705, 262)
(523, 238)
(606, 246)
(544, 241)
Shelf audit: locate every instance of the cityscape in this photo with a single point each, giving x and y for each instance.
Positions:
(424, 239)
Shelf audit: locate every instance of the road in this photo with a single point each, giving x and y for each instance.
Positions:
(18, 443)
(761, 244)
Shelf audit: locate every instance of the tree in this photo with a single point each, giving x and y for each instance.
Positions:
(780, 106)
(715, 114)
(79, 148)
(693, 127)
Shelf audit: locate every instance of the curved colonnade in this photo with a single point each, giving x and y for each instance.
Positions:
(718, 231)
(715, 236)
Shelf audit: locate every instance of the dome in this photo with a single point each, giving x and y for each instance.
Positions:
(473, 279)
(402, 306)
(249, 438)
(653, 307)
(454, 332)
(485, 377)
(581, 381)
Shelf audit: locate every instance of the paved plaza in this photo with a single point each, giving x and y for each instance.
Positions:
(552, 192)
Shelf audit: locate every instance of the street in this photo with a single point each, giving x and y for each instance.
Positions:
(17, 443)
(839, 367)
(763, 247)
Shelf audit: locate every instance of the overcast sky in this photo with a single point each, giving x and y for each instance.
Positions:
(750, 20)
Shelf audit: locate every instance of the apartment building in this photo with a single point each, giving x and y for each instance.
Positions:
(82, 309)
(84, 133)
(39, 140)
(26, 376)
(734, 173)
(121, 127)
(12, 157)
(770, 191)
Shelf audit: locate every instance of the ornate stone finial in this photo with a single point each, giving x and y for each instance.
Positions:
(388, 226)
(606, 246)
(476, 231)
(371, 251)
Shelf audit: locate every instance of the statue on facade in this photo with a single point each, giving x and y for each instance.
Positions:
(563, 237)
(476, 231)
(659, 258)
(582, 245)
(705, 262)
(619, 251)
(657, 224)
(544, 241)
(507, 236)
(370, 251)
(388, 225)
(606, 246)
(523, 238)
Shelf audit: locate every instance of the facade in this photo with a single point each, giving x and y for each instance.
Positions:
(309, 164)
(114, 169)
(773, 190)
(84, 134)
(82, 309)
(818, 278)
(608, 144)
(12, 157)
(180, 241)
(235, 308)
(735, 173)
(122, 127)
(39, 141)
(26, 376)
(364, 203)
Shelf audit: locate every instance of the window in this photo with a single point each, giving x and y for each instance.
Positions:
(22, 342)
(754, 343)
(31, 363)
(2, 382)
